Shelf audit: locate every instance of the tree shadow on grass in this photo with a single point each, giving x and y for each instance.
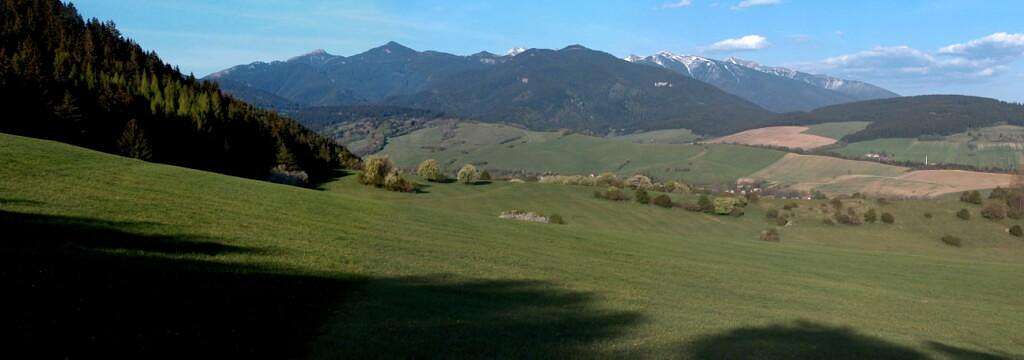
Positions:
(61, 232)
(67, 295)
(957, 353)
(334, 175)
(435, 316)
(799, 340)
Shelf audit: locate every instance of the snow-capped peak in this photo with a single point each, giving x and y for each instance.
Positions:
(633, 58)
(515, 51)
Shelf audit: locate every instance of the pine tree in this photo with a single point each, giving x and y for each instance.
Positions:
(133, 141)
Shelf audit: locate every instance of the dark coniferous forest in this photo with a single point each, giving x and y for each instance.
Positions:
(82, 82)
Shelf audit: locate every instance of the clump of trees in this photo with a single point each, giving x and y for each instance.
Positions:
(468, 174)
(430, 170)
(888, 218)
(380, 172)
(1017, 231)
(963, 214)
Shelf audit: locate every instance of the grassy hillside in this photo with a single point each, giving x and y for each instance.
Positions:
(106, 254)
(499, 147)
(991, 147)
(795, 168)
(670, 136)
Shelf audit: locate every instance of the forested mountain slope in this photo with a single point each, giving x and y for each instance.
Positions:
(82, 82)
(913, 116)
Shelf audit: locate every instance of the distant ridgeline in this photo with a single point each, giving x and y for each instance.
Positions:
(81, 82)
(914, 116)
(572, 88)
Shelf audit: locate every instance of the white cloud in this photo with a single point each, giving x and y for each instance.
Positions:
(745, 43)
(996, 46)
(677, 4)
(752, 3)
(975, 61)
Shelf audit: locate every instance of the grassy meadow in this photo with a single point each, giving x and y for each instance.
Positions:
(504, 148)
(174, 262)
(990, 147)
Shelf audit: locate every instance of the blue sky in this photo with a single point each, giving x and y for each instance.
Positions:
(909, 46)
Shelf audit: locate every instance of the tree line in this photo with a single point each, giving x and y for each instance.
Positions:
(82, 82)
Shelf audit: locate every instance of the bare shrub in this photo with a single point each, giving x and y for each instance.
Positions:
(662, 200)
(770, 235)
(612, 193)
(1016, 231)
(641, 197)
(870, 216)
(395, 182)
(994, 211)
(952, 240)
(556, 219)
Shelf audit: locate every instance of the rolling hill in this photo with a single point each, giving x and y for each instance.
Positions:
(914, 116)
(109, 256)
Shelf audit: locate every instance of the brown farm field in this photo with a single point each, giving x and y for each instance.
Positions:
(840, 176)
(783, 136)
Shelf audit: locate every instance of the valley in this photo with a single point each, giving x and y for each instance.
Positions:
(560, 202)
(439, 272)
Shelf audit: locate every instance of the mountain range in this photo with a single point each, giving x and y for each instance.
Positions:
(572, 88)
(774, 88)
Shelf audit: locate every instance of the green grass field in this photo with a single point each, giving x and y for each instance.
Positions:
(795, 168)
(670, 136)
(112, 254)
(938, 152)
(836, 130)
(998, 146)
(498, 147)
